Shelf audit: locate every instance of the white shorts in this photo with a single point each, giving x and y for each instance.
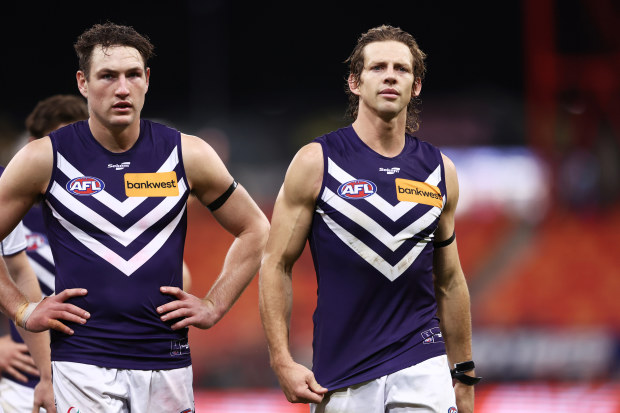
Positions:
(15, 397)
(87, 388)
(424, 387)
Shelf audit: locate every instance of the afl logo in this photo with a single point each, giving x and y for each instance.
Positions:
(357, 189)
(452, 410)
(85, 185)
(35, 241)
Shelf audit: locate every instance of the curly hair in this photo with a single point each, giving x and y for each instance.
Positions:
(107, 35)
(356, 66)
(53, 111)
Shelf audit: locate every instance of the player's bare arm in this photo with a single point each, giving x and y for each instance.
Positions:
(452, 292)
(38, 343)
(239, 215)
(20, 186)
(290, 224)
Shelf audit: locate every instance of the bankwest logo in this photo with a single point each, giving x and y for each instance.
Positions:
(119, 166)
(151, 184)
(420, 192)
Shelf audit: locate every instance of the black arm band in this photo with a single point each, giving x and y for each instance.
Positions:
(445, 243)
(459, 370)
(220, 201)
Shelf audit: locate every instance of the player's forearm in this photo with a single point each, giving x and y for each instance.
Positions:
(240, 266)
(11, 298)
(455, 317)
(38, 343)
(19, 288)
(275, 303)
(39, 348)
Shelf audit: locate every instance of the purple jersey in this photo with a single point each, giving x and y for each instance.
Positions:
(371, 242)
(116, 225)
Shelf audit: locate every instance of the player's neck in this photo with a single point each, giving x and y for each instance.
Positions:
(386, 137)
(115, 138)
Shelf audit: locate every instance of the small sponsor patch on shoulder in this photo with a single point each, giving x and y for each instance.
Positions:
(420, 192)
(151, 184)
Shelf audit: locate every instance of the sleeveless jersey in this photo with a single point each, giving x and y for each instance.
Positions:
(116, 224)
(371, 243)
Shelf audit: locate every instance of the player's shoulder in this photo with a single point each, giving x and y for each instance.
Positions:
(307, 162)
(31, 167)
(195, 147)
(448, 164)
(201, 162)
(310, 152)
(38, 152)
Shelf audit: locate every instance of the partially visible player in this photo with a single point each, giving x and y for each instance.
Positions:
(114, 192)
(14, 397)
(19, 381)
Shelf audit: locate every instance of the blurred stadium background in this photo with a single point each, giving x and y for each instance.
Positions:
(524, 96)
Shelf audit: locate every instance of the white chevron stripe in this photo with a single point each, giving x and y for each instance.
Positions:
(44, 276)
(123, 237)
(394, 212)
(127, 267)
(44, 251)
(391, 241)
(370, 256)
(121, 208)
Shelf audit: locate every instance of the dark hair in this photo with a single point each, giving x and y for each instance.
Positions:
(107, 35)
(50, 113)
(356, 66)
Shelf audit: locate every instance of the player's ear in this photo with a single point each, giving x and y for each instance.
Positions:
(353, 84)
(417, 87)
(147, 75)
(82, 84)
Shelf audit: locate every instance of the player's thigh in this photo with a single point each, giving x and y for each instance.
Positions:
(366, 397)
(424, 387)
(15, 397)
(88, 388)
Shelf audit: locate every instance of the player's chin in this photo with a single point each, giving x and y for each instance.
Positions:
(121, 119)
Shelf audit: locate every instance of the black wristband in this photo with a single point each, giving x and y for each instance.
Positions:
(459, 370)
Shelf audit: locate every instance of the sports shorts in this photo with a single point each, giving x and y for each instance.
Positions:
(424, 387)
(15, 397)
(86, 388)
